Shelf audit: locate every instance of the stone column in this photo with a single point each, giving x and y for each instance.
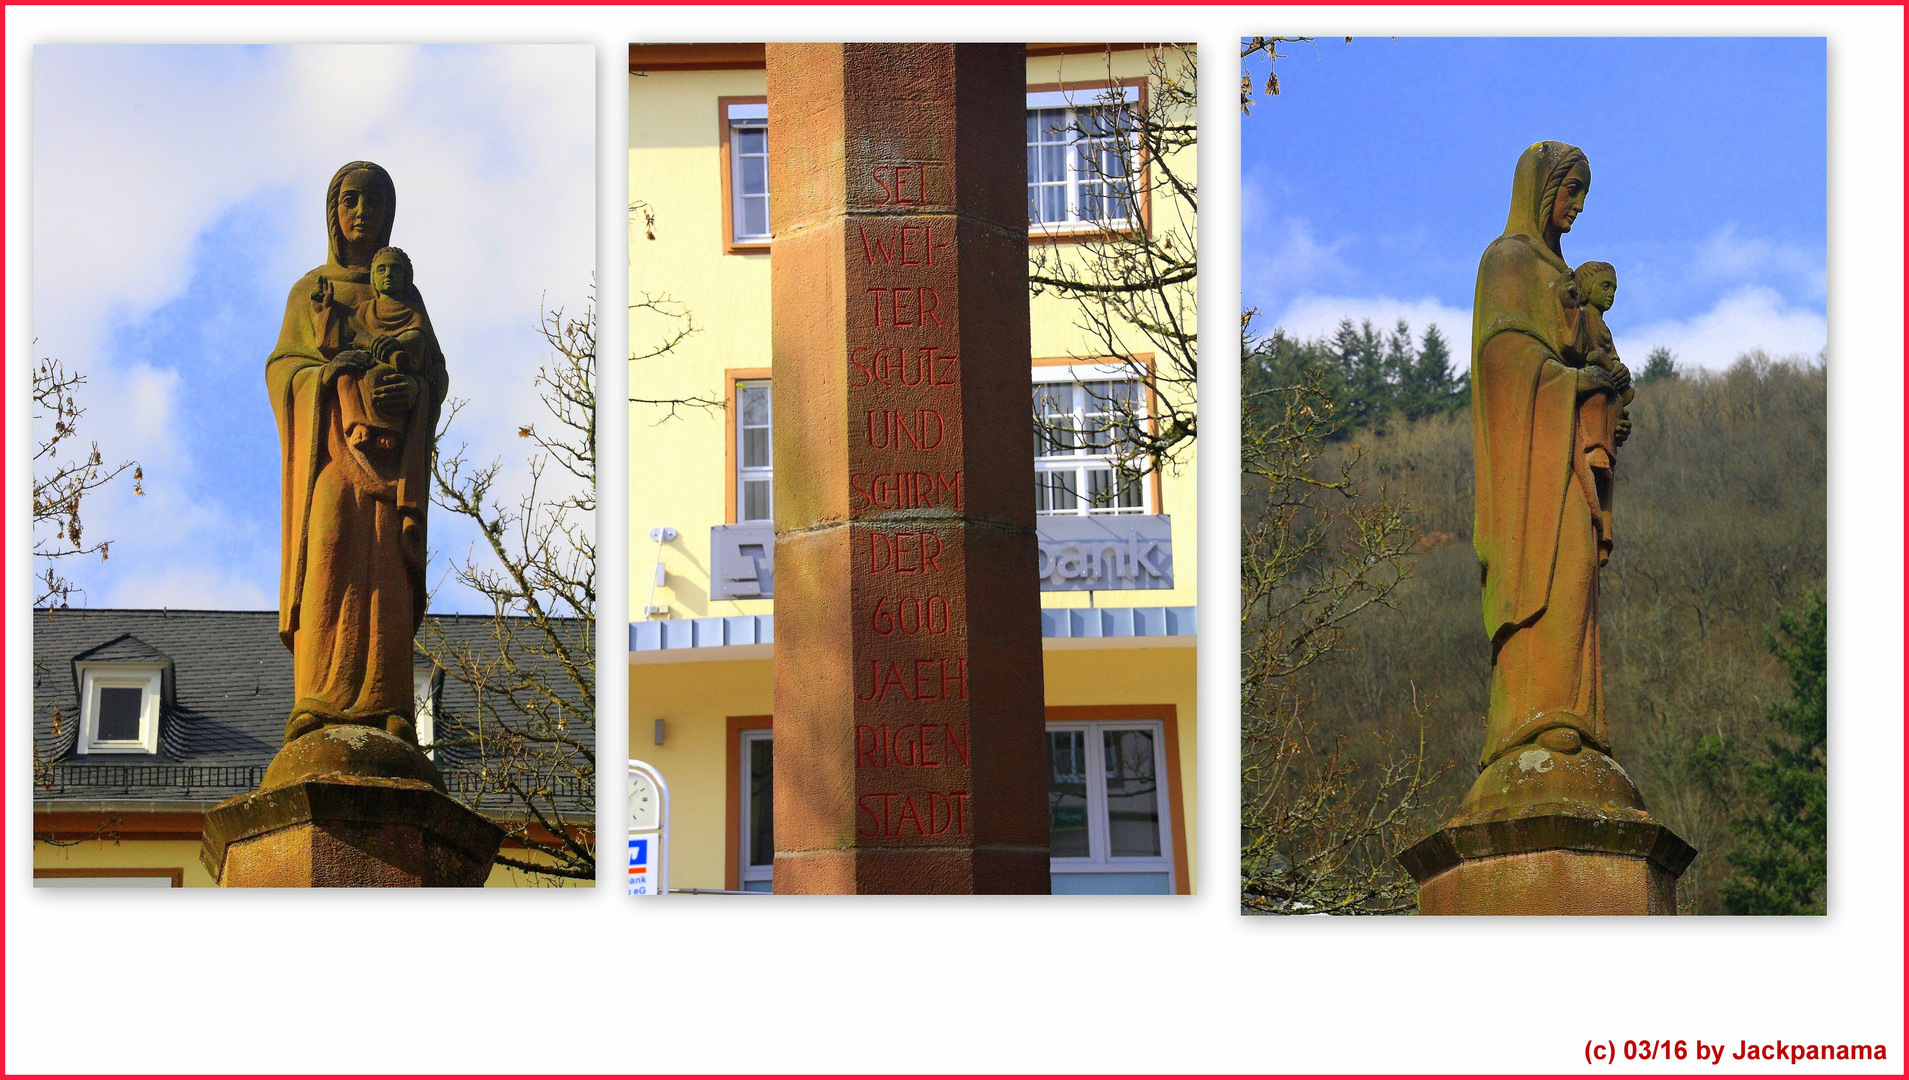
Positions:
(910, 750)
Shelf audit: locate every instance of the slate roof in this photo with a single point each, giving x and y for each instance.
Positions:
(227, 697)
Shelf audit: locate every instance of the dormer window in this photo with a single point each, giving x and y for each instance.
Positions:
(119, 708)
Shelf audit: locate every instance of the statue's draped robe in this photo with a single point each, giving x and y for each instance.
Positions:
(1537, 529)
(351, 582)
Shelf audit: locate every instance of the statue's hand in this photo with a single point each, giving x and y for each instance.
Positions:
(321, 296)
(1622, 429)
(1593, 379)
(395, 393)
(1620, 376)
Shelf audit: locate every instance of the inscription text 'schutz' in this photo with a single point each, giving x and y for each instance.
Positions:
(893, 815)
(877, 365)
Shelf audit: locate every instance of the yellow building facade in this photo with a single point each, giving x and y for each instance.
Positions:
(1119, 660)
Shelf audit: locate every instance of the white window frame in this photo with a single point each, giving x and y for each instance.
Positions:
(1098, 860)
(147, 678)
(760, 473)
(746, 871)
(1079, 375)
(1068, 128)
(424, 707)
(746, 118)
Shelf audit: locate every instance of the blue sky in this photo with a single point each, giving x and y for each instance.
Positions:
(1372, 184)
(178, 192)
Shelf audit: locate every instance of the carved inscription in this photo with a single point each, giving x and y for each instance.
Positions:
(910, 676)
(886, 815)
(902, 185)
(900, 366)
(910, 746)
(923, 679)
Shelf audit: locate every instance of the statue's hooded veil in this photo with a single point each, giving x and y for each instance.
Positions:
(1524, 402)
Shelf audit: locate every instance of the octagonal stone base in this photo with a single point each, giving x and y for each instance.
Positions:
(341, 831)
(1552, 859)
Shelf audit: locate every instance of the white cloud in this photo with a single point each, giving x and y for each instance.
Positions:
(1753, 317)
(1728, 255)
(1280, 260)
(188, 587)
(1312, 316)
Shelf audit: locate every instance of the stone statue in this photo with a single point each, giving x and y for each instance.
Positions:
(1543, 477)
(1552, 825)
(356, 382)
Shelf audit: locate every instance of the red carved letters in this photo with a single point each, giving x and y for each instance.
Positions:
(905, 490)
(917, 306)
(933, 679)
(892, 815)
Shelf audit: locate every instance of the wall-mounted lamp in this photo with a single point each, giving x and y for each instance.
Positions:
(662, 534)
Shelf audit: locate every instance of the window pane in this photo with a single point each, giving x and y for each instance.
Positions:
(119, 708)
(755, 218)
(1054, 491)
(1067, 794)
(755, 448)
(751, 140)
(756, 500)
(762, 818)
(755, 405)
(755, 176)
(1133, 800)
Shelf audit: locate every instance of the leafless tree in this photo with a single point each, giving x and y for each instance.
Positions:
(1267, 47)
(1131, 278)
(60, 486)
(528, 744)
(1318, 827)
(671, 321)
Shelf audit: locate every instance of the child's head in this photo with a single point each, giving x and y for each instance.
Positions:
(390, 271)
(1597, 282)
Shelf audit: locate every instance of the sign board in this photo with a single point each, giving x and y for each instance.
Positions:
(1078, 553)
(649, 831)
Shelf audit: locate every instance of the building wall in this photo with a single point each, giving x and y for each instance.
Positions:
(695, 701)
(679, 472)
(184, 854)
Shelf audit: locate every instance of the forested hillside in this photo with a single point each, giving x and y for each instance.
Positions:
(1720, 525)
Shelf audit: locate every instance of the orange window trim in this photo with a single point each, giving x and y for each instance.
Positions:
(1153, 412)
(1168, 715)
(726, 163)
(1145, 200)
(732, 376)
(732, 818)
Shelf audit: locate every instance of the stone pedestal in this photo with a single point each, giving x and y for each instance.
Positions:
(1549, 861)
(1547, 832)
(324, 817)
(910, 743)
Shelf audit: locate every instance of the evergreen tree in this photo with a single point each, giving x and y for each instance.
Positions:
(1781, 860)
(1661, 364)
(1430, 387)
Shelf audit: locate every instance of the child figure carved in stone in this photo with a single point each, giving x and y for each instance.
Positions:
(1603, 422)
(382, 336)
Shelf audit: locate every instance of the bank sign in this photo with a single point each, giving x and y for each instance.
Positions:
(1077, 554)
